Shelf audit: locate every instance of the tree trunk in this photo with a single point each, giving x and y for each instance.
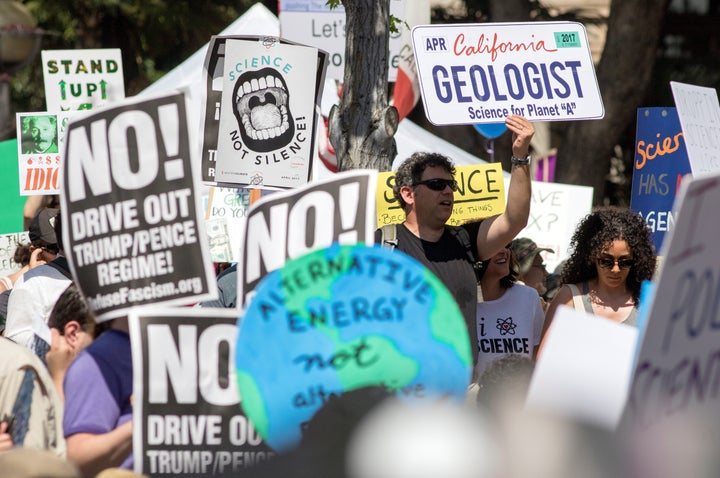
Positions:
(362, 126)
(623, 76)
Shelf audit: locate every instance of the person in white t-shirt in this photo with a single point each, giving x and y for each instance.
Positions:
(509, 317)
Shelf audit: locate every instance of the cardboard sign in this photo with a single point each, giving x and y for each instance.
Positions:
(555, 211)
(187, 418)
(8, 245)
(287, 225)
(224, 218)
(481, 73)
(675, 374)
(41, 142)
(584, 369)
(316, 24)
(132, 227)
(699, 114)
(661, 161)
(481, 194)
(211, 106)
(82, 79)
(267, 125)
(340, 319)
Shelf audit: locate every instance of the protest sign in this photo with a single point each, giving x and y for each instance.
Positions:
(699, 113)
(132, 226)
(287, 225)
(480, 194)
(187, 417)
(270, 93)
(317, 24)
(661, 161)
(481, 73)
(82, 79)
(555, 211)
(343, 318)
(224, 217)
(8, 244)
(41, 141)
(676, 370)
(584, 369)
(11, 214)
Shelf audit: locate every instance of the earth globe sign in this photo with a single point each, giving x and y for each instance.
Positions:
(343, 318)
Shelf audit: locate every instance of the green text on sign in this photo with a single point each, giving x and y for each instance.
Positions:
(567, 40)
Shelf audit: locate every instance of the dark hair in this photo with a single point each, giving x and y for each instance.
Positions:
(596, 232)
(22, 254)
(510, 279)
(71, 305)
(409, 173)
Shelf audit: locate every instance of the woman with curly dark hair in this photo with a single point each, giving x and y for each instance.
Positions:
(613, 254)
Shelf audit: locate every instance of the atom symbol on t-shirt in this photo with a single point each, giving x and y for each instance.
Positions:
(506, 326)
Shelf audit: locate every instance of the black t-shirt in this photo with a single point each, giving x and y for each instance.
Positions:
(448, 260)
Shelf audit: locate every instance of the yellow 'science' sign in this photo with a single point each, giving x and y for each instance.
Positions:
(480, 194)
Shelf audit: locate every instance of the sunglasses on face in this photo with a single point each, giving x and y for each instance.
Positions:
(609, 263)
(439, 184)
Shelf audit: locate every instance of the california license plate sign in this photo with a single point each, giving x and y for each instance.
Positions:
(481, 73)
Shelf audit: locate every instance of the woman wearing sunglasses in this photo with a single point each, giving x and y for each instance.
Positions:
(612, 254)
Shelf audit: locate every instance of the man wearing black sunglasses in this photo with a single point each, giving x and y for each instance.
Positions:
(424, 187)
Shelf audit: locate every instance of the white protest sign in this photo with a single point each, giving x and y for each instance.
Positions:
(555, 211)
(41, 145)
(481, 73)
(676, 371)
(8, 245)
(584, 369)
(134, 230)
(699, 113)
(287, 225)
(82, 79)
(224, 218)
(314, 23)
(186, 416)
(266, 132)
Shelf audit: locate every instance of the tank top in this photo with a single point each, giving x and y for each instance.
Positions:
(581, 301)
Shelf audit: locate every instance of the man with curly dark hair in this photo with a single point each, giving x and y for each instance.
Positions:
(424, 189)
(612, 254)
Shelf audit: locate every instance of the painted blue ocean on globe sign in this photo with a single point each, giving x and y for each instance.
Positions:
(343, 318)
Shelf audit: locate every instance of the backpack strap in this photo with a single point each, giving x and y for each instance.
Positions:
(388, 236)
(461, 234)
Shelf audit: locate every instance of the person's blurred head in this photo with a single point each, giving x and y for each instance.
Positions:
(531, 266)
(22, 254)
(505, 382)
(501, 267)
(72, 318)
(42, 232)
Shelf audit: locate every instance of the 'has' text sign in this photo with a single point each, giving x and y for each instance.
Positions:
(133, 231)
(481, 73)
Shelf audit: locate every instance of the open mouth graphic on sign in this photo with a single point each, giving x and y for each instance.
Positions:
(262, 108)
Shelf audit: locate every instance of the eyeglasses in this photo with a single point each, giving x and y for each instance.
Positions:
(609, 263)
(438, 184)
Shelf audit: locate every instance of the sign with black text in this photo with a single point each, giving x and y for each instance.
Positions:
(287, 225)
(267, 118)
(133, 230)
(82, 79)
(187, 418)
